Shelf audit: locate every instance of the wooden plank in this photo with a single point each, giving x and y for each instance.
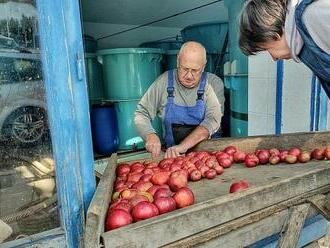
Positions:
(54, 238)
(214, 233)
(322, 204)
(305, 141)
(199, 217)
(97, 211)
(291, 231)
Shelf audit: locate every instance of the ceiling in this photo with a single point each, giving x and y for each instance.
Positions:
(138, 12)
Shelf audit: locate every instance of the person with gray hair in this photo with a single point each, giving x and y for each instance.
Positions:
(297, 29)
(185, 101)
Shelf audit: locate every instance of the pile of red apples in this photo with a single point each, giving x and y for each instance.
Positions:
(143, 190)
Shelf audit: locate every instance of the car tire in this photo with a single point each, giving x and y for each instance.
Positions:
(26, 126)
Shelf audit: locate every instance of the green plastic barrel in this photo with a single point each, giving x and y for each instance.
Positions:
(238, 86)
(128, 136)
(128, 72)
(171, 59)
(94, 78)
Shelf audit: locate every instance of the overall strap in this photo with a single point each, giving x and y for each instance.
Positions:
(170, 84)
(201, 88)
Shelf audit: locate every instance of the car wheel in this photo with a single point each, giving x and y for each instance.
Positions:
(26, 126)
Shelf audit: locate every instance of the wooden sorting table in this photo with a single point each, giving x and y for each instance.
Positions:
(278, 194)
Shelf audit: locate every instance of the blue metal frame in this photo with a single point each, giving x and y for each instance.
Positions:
(67, 100)
(279, 93)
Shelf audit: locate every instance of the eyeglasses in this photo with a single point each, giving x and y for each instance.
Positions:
(194, 72)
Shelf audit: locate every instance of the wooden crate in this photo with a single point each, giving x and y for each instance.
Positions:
(219, 219)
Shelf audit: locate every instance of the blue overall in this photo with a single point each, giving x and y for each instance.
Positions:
(311, 54)
(182, 119)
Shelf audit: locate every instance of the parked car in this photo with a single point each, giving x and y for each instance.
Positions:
(23, 116)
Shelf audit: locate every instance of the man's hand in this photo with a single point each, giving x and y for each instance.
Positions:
(174, 151)
(153, 145)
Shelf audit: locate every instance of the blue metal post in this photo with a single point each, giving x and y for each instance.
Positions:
(279, 89)
(67, 100)
(312, 104)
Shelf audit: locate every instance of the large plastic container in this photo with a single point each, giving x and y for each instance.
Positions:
(128, 72)
(94, 77)
(165, 45)
(104, 129)
(211, 34)
(90, 44)
(128, 136)
(238, 86)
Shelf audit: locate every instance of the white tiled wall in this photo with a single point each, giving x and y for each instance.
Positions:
(262, 96)
(296, 97)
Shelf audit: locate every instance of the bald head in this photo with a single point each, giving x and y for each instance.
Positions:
(191, 62)
(195, 49)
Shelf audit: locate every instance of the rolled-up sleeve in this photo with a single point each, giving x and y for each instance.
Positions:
(147, 108)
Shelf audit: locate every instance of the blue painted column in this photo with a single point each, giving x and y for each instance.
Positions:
(68, 110)
(279, 94)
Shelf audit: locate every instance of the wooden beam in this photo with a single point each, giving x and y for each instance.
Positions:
(322, 204)
(290, 235)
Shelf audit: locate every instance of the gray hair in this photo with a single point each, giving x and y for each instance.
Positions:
(193, 45)
(261, 21)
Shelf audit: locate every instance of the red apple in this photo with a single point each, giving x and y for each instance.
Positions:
(211, 162)
(137, 199)
(123, 205)
(128, 193)
(160, 178)
(251, 160)
(184, 197)
(154, 188)
(219, 169)
(225, 162)
(318, 154)
(195, 175)
(291, 159)
(304, 157)
(295, 151)
(123, 169)
(283, 155)
(274, 151)
(142, 186)
(274, 159)
(263, 156)
(144, 210)
(177, 180)
(165, 162)
(203, 169)
(163, 193)
(146, 178)
(137, 167)
(239, 156)
(201, 155)
(117, 218)
(327, 153)
(165, 204)
(210, 174)
(238, 186)
(230, 150)
(134, 176)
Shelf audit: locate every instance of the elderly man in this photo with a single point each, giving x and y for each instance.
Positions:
(185, 101)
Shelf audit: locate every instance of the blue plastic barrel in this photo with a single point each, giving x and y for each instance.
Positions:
(165, 45)
(94, 78)
(128, 72)
(104, 129)
(211, 34)
(128, 136)
(90, 44)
